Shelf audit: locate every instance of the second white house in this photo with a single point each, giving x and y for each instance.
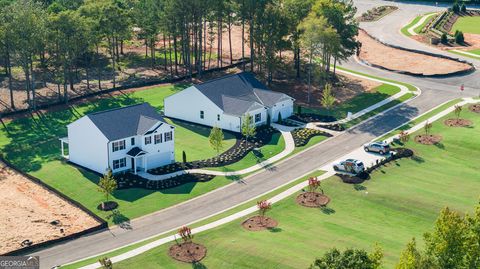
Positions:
(224, 101)
(134, 138)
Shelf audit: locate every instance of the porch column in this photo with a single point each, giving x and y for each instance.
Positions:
(145, 163)
(135, 166)
(63, 151)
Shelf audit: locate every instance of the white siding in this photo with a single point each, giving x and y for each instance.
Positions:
(159, 154)
(187, 104)
(285, 108)
(87, 146)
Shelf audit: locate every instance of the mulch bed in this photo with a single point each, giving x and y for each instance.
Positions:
(302, 136)
(458, 122)
(107, 206)
(475, 108)
(376, 13)
(312, 199)
(259, 223)
(188, 252)
(129, 180)
(232, 155)
(310, 117)
(428, 139)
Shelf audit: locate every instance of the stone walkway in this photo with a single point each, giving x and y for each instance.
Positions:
(367, 158)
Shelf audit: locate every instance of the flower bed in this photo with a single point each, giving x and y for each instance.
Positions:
(376, 13)
(301, 136)
(232, 155)
(310, 117)
(129, 180)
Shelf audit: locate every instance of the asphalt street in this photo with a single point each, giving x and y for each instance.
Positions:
(434, 92)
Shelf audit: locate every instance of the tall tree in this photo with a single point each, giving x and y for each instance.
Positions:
(28, 26)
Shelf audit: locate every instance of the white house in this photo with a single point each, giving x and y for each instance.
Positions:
(132, 138)
(222, 102)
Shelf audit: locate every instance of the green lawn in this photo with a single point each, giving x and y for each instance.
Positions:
(399, 202)
(358, 102)
(419, 28)
(32, 145)
(475, 52)
(467, 24)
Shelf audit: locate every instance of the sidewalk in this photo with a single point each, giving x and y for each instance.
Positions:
(359, 153)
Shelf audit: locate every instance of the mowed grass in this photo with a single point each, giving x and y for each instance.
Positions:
(475, 51)
(467, 24)
(274, 147)
(358, 102)
(32, 145)
(400, 201)
(419, 28)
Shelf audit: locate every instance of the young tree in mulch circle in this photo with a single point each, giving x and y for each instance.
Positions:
(457, 111)
(314, 184)
(106, 263)
(107, 185)
(260, 221)
(328, 100)
(248, 127)
(216, 139)
(427, 128)
(263, 206)
(187, 251)
(404, 137)
(315, 196)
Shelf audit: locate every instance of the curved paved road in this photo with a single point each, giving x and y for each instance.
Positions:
(435, 92)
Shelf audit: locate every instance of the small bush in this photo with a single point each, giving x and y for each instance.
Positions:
(463, 8)
(444, 38)
(456, 7)
(459, 38)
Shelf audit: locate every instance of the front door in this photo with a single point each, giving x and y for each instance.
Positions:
(133, 164)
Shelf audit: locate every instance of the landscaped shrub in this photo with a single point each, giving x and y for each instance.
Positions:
(444, 38)
(463, 8)
(303, 135)
(459, 38)
(456, 7)
(184, 156)
(279, 117)
(129, 180)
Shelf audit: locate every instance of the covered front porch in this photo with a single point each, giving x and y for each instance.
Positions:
(64, 150)
(138, 159)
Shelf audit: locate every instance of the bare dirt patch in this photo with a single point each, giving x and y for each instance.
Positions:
(458, 122)
(188, 252)
(428, 139)
(259, 223)
(475, 108)
(30, 212)
(312, 199)
(346, 88)
(378, 54)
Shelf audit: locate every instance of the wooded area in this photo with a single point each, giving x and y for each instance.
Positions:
(60, 44)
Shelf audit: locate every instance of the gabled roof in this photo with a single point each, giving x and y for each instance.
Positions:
(135, 152)
(126, 121)
(239, 93)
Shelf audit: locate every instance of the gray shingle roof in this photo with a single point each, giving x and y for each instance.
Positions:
(126, 121)
(239, 93)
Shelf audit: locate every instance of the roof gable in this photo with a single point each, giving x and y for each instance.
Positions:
(126, 121)
(238, 93)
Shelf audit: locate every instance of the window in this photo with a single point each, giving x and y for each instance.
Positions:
(168, 136)
(148, 140)
(202, 114)
(258, 117)
(119, 163)
(157, 138)
(118, 145)
(132, 140)
(218, 117)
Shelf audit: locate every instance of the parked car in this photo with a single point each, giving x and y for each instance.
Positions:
(349, 166)
(379, 147)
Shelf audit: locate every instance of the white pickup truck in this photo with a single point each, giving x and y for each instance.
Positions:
(350, 166)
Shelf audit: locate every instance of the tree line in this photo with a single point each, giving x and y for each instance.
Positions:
(65, 39)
